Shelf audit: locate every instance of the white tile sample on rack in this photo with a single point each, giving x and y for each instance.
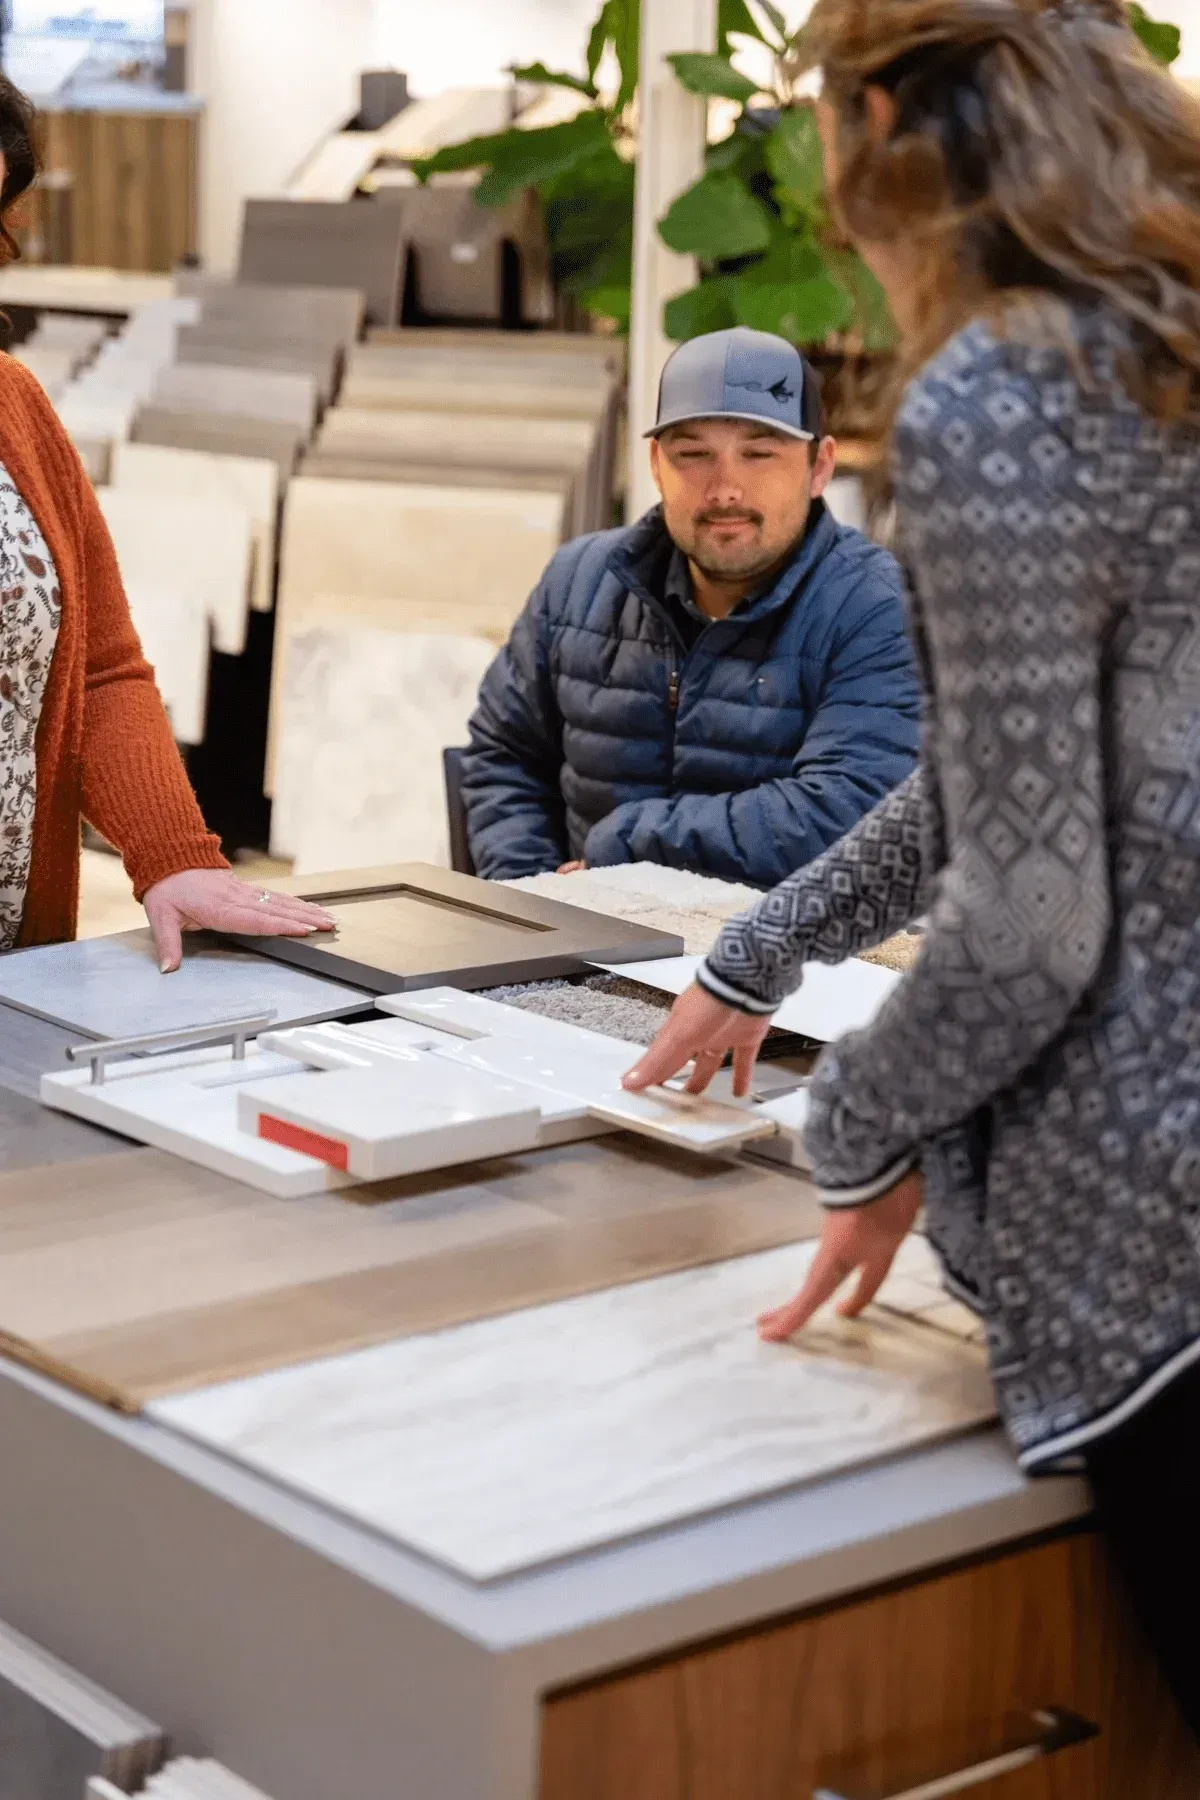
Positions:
(593, 1419)
(176, 638)
(832, 999)
(112, 987)
(200, 549)
(249, 482)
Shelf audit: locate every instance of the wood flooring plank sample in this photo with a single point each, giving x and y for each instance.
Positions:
(139, 1274)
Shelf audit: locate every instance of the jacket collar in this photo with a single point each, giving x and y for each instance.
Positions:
(640, 557)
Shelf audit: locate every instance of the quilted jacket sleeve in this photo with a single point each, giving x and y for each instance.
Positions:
(861, 743)
(516, 819)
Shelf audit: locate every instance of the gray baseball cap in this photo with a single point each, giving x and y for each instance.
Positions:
(740, 374)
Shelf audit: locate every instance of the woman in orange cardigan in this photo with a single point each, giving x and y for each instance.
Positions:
(83, 733)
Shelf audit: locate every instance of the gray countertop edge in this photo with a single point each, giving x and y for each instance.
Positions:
(697, 1579)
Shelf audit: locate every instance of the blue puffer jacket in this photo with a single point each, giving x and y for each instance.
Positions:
(598, 735)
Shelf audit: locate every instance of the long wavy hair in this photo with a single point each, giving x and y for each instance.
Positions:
(1040, 160)
(19, 149)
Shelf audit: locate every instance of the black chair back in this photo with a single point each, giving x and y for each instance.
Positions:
(461, 859)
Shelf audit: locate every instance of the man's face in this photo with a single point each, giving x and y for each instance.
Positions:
(736, 496)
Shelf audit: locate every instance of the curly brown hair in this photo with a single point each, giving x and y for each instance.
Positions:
(18, 147)
(1039, 160)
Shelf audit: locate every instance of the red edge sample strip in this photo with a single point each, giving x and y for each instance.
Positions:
(308, 1143)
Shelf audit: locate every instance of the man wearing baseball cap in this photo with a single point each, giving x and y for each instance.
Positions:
(725, 686)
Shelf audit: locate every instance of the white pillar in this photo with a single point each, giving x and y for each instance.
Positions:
(672, 128)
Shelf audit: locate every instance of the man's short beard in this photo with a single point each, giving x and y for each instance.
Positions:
(740, 567)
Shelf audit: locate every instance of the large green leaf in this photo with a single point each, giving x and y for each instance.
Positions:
(538, 72)
(716, 219)
(706, 307)
(793, 155)
(804, 312)
(521, 159)
(712, 76)
(735, 18)
(614, 302)
(1161, 40)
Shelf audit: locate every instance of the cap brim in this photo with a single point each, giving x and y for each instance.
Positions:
(792, 431)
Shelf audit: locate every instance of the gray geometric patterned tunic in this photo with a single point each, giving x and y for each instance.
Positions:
(1042, 1060)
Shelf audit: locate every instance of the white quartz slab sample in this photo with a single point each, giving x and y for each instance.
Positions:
(187, 1104)
(501, 1445)
(832, 999)
(198, 548)
(111, 987)
(414, 1114)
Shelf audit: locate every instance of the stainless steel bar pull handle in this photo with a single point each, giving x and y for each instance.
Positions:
(192, 1037)
(1049, 1732)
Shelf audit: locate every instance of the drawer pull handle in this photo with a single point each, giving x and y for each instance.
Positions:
(1048, 1732)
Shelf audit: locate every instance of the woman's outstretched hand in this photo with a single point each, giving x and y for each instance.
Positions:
(215, 900)
(703, 1030)
(860, 1240)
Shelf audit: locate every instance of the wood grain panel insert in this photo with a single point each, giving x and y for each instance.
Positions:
(138, 1275)
(869, 1696)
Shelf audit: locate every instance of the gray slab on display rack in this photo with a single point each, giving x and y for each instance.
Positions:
(346, 244)
(413, 926)
(57, 1729)
(220, 434)
(111, 987)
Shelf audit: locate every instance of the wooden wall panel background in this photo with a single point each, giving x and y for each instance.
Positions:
(134, 198)
(867, 1696)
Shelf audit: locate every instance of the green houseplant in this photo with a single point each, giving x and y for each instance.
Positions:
(756, 220)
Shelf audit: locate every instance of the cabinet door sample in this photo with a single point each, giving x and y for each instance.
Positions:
(415, 926)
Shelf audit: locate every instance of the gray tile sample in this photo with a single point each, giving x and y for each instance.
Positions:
(245, 393)
(111, 987)
(57, 1729)
(258, 350)
(322, 243)
(31, 1137)
(324, 314)
(220, 434)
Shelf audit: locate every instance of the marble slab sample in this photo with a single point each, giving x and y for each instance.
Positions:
(832, 999)
(593, 1419)
(364, 718)
(378, 543)
(415, 1114)
(200, 549)
(111, 987)
(248, 482)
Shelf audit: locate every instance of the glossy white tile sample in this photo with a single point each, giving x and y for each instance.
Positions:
(176, 638)
(415, 1114)
(688, 1121)
(832, 999)
(497, 1446)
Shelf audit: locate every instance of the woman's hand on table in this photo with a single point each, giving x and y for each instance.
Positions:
(215, 900)
(702, 1031)
(861, 1240)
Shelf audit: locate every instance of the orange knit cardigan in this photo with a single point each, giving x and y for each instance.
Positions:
(104, 749)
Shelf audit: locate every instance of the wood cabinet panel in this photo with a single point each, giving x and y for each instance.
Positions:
(872, 1696)
(133, 191)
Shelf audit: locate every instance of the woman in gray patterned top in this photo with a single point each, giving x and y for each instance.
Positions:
(1026, 183)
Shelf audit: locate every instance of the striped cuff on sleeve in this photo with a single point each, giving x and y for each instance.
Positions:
(864, 1192)
(731, 996)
